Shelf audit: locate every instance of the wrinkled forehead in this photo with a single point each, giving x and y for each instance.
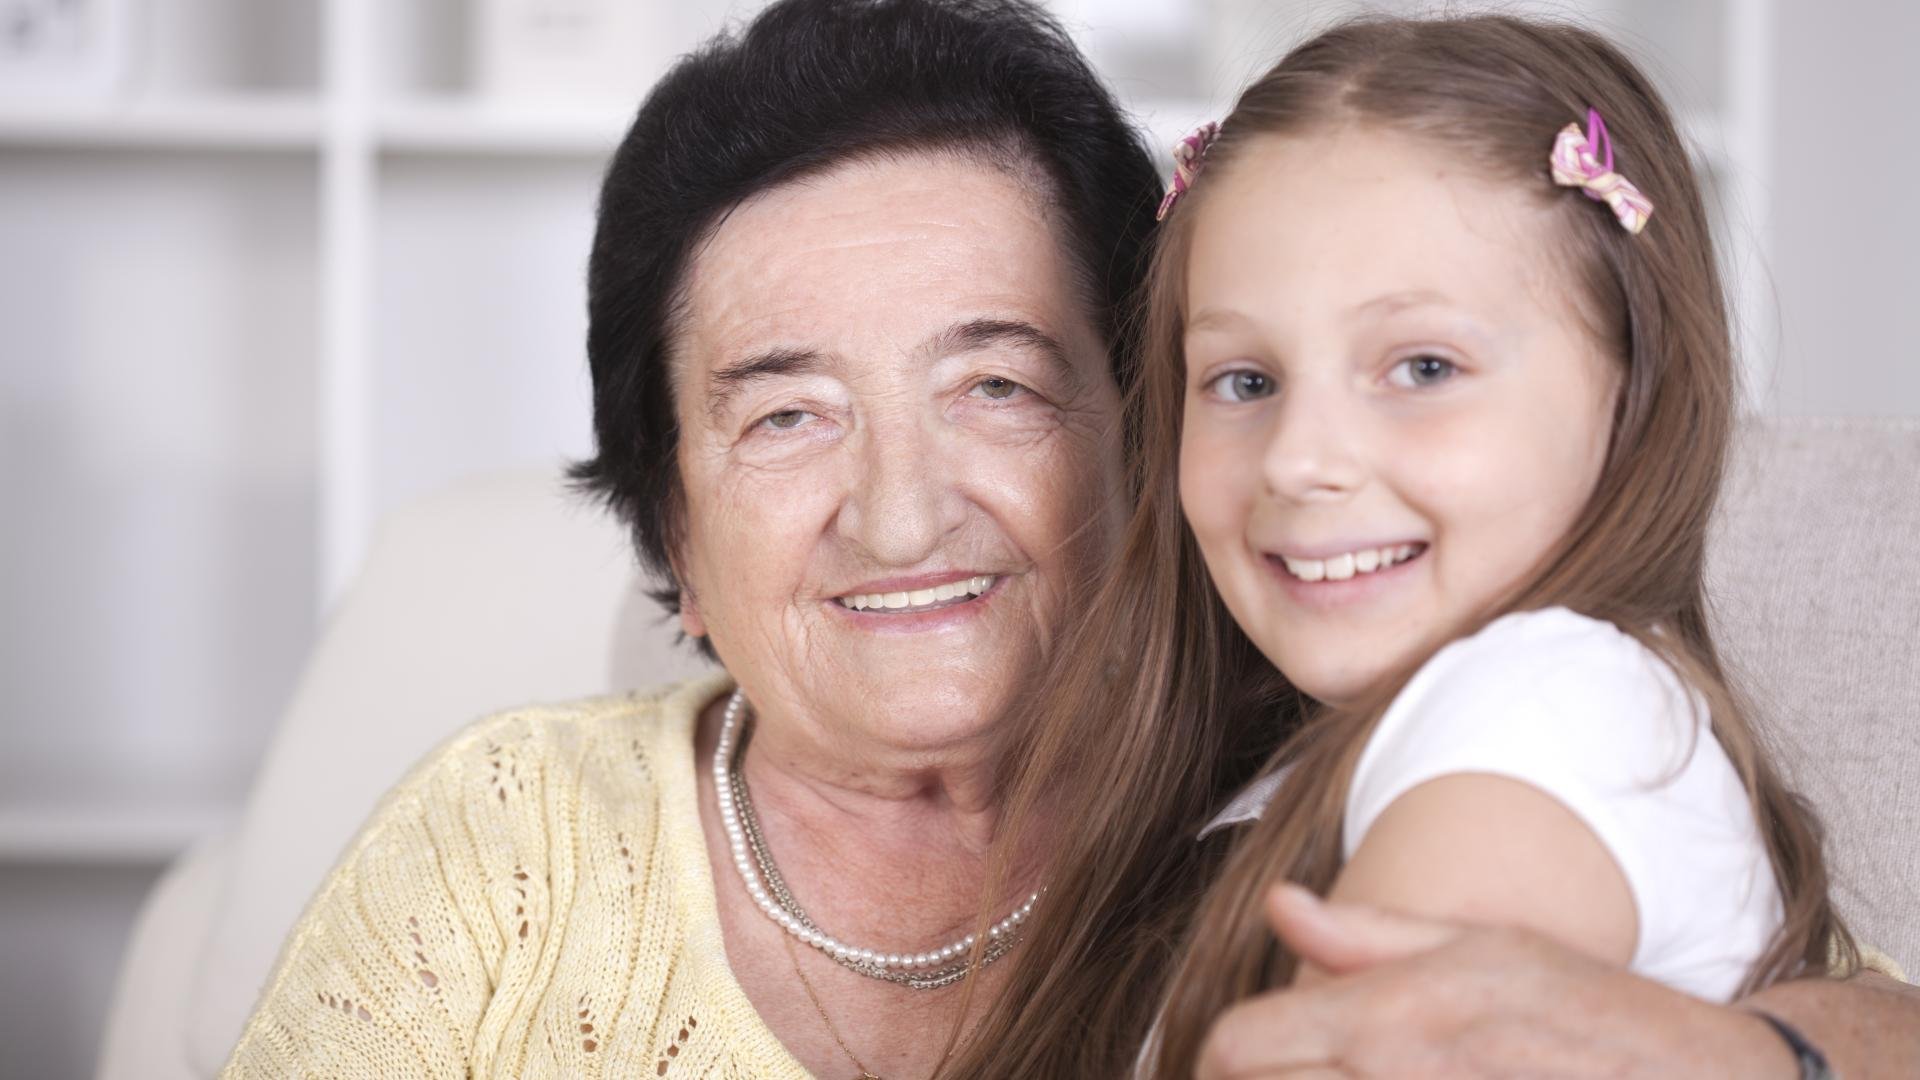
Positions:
(873, 254)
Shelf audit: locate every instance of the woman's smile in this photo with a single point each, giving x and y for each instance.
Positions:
(923, 602)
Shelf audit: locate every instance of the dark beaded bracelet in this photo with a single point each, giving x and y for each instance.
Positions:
(1813, 1063)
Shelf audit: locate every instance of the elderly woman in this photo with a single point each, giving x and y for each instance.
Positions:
(855, 302)
(858, 299)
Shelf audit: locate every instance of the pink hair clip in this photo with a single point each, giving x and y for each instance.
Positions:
(1576, 163)
(1188, 155)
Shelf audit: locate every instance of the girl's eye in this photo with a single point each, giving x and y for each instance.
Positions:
(1242, 386)
(997, 388)
(786, 419)
(1418, 371)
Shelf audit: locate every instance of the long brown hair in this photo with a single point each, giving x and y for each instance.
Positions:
(1150, 707)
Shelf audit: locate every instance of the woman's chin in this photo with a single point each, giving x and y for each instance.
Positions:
(928, 704)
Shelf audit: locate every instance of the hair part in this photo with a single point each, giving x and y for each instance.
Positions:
(1134, 750)
(808, 86)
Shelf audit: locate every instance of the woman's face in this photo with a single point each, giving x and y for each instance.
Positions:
(898, 444)
(1393, 408)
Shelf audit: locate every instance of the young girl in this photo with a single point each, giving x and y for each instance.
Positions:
(1440, 368)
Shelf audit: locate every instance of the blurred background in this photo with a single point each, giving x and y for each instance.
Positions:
(271, 268)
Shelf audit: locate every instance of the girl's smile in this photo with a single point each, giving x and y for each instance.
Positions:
(1351, 578)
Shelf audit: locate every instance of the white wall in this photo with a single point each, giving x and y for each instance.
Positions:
(1846, 208)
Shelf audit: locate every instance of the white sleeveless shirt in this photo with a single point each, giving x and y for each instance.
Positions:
(1587, 715)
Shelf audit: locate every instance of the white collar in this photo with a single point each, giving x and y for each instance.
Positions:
(1249, 803)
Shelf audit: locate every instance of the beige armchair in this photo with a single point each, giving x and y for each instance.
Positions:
(502, 591)
(508, 591)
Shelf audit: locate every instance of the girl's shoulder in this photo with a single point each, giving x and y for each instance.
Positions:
(1553, 682)
(1589, 715)
(1555, 654)
(1550, 696)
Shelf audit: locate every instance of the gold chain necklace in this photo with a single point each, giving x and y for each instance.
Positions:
(865, 1073)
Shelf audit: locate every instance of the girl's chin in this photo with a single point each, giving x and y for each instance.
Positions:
(1328, 680)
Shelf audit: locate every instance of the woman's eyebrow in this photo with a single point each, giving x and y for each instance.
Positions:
(983, 333)
(726, 382)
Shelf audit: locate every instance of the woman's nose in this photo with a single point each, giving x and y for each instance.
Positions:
(904, 496)
(1311, 454)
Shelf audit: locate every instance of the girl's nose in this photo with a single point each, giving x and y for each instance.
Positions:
(1310, 456)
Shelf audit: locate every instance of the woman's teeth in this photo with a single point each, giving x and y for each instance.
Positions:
(1342, 567)
(919, 598)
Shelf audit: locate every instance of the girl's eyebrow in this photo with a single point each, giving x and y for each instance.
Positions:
(1215, 319)
(1389, 303)
(1382, 305)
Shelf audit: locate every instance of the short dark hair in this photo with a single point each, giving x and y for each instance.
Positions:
(806, 86)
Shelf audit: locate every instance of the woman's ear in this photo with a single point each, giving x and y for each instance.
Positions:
(691, 624)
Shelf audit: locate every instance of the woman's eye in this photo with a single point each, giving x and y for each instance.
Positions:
(786, 419)
(997, 388)
(1417, 371)
(1242, 386)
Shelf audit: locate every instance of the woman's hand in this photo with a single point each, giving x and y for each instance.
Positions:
(1407, 997)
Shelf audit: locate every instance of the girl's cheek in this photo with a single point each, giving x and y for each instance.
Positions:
(1208, 476)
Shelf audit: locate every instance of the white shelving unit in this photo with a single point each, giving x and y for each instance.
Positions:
(468, 129)
(346, 279)
(265, 124)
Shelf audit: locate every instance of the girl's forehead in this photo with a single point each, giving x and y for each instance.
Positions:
(1343, 215)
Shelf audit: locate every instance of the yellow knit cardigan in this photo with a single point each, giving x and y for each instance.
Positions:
(533, 900)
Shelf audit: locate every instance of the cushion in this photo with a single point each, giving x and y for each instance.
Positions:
(1817, 610)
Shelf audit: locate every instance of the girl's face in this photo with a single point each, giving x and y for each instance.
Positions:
(1393, 406)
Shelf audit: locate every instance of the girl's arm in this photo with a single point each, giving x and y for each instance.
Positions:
(1493, 851)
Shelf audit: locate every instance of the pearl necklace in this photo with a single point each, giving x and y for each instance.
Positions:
(921, 971)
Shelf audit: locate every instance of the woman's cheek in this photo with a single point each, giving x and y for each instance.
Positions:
(769, 513)
(1023, 421)
(767, 451)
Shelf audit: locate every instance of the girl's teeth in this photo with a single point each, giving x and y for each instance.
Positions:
(919, 598)
(1344, 567)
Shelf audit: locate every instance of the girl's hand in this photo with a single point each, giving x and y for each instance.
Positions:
(1399, 997)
